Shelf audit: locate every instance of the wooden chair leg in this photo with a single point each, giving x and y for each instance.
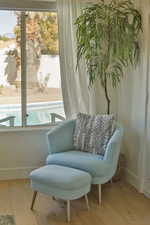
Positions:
(87, 202)
(99, 194)
(68, 211)
(33, 199)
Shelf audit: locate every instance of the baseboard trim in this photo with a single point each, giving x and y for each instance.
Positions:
(147, 194)
(132, 179)
(15, 173)
(146, 190)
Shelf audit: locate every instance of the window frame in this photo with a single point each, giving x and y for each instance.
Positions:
(27, 5)
(23, 70)
(23, 7)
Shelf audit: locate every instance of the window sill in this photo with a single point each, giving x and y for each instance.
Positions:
(28, 128)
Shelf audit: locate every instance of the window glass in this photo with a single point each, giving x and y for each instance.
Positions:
(10, 75)
(44, 95)
(42, 98)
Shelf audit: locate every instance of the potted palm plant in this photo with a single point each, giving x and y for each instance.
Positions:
(107, 38)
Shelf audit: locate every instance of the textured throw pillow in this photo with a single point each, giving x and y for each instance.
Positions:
(92, 133)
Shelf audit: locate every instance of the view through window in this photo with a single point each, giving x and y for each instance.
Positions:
(43, 85)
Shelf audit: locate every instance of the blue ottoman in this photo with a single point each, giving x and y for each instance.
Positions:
(61, 182)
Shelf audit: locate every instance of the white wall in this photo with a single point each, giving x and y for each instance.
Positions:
(132, 111)
(20, 152)
(146, 153)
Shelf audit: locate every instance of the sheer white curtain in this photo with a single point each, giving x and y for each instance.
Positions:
(76, 93)
(74, 83)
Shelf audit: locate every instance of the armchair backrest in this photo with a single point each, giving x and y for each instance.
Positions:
(60, 138)
(114, 147)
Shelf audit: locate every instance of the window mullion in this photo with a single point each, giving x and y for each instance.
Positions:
(23, 69)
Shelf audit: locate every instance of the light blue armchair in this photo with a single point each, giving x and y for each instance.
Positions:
(62, 152)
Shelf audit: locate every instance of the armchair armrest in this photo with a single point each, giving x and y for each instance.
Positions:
(112, 152)
(60, 139)
(114, 145)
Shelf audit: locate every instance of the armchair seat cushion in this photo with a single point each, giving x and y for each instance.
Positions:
(88, 162)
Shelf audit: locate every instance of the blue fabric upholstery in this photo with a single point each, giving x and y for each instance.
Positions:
(60, 138)
(100, 168)
(62, 182)
(88, 162)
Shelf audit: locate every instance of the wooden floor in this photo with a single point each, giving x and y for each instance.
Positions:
(121, 205)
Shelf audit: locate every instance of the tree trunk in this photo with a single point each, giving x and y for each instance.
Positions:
(33, 63)
(106, 96)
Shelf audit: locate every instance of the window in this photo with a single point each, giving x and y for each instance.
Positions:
(30, 85)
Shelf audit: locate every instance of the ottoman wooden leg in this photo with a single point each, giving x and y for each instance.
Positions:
(87, 202)
(68, 211)
(33, 199)
(99, 194)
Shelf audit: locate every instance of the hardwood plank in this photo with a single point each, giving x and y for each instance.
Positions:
(121, 205)
(5, 202)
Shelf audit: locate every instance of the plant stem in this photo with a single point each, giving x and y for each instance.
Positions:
(106, 95)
